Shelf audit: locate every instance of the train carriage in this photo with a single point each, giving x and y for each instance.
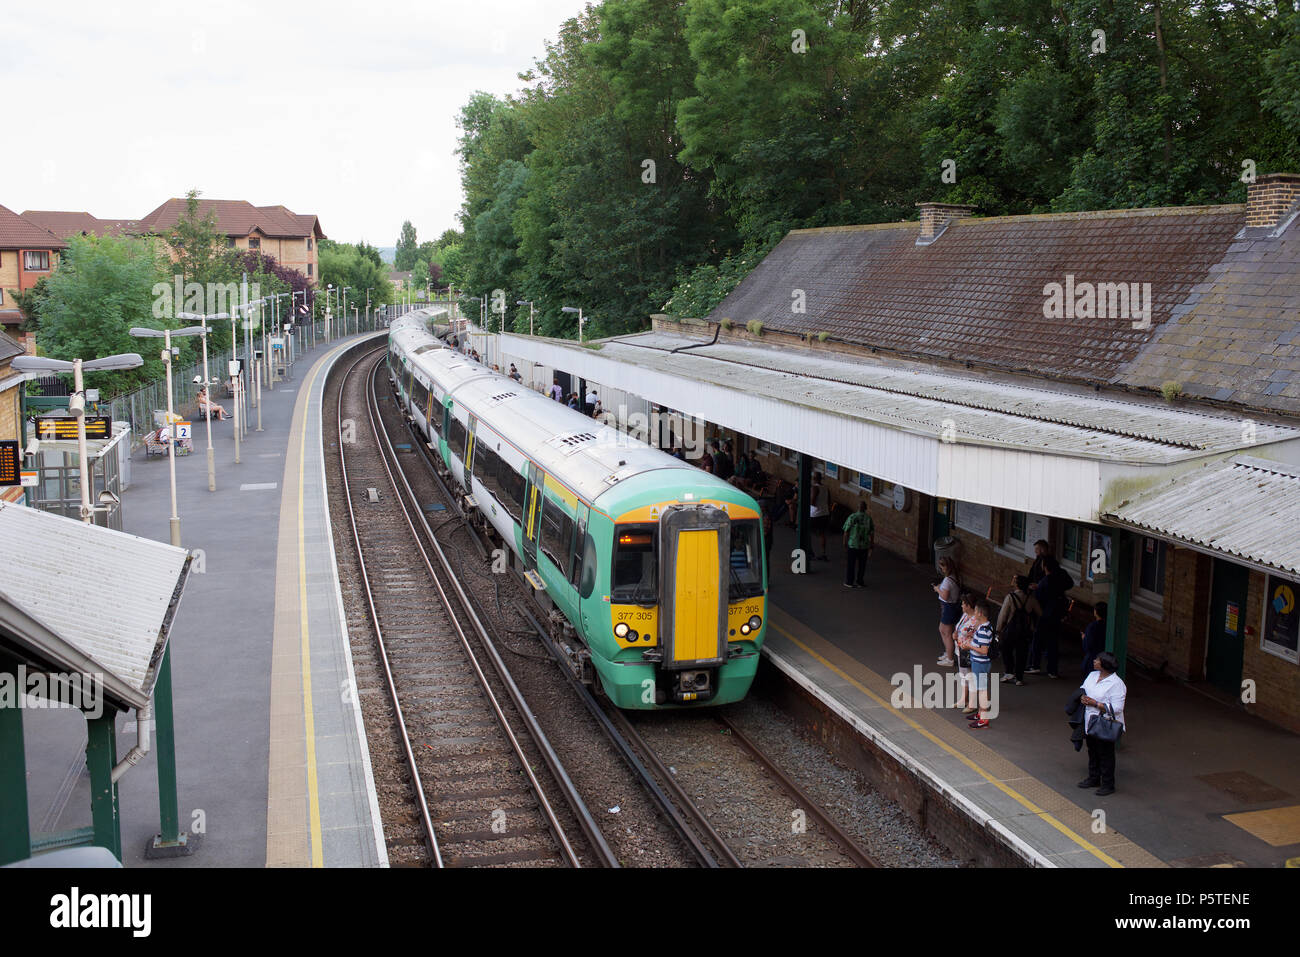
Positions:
(657, 565)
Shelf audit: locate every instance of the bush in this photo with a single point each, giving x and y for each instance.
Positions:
(1171, 390)
(755, 327)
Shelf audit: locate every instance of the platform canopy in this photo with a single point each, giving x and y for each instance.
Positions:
(980, 436)
(81, 599)
(1245, 510)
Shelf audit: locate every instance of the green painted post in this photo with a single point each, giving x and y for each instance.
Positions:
(101, 755)
(166, 752)
(1121, 594)
(15, 838)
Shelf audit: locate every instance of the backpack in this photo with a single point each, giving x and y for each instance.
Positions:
(1018, 628)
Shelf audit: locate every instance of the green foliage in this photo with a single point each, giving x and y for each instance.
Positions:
(1171, 390)
(346, 265)
(755, 327)
(30, 302)
(102, 288)
(727, 322)
(371, 253)
(407, 248)
(200, 250)
(750, 132)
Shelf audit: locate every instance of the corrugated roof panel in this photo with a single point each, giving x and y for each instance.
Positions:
(104, 592)
(1247, 508)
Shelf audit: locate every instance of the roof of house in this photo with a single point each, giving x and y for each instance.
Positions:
(978, 291)
(403, 276)
(1236, 338)
(236, 217)
(9, 348)
(16, 232)
(64, 223)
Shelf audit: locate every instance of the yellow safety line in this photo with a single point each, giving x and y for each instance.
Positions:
(313, 796)
(1010, 792)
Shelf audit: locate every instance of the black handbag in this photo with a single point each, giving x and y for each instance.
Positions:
(1104, 725)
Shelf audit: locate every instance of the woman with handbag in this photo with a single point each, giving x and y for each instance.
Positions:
(1103, 722)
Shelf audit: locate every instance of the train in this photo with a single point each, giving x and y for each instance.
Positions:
(652, 571)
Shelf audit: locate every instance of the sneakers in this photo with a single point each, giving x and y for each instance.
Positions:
(984, 724)
(1033, 671)
(1019, 683)
(1089, 783)
(1008, 678)
(1102, 792)
(945, 661)
(1053, 674)
(968, 710)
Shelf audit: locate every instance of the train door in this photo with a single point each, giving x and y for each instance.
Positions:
(1223, 658)
(532, 515)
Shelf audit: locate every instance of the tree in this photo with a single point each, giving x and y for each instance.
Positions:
(370, 252)
(30, 302)
(102, 288)
(198, 247)
(406, 248)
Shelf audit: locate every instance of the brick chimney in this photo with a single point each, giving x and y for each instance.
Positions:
(1270, 197)
(935, 218)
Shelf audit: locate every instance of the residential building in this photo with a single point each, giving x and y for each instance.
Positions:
(28, 253)
(11, 390)
(291, 238)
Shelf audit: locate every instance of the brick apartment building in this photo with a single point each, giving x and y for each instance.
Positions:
(27, 254)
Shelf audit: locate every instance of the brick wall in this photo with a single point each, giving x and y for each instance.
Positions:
(1270, 197)
(1277, 681)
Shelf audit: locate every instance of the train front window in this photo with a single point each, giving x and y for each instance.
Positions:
(745, 560)
(636, 563)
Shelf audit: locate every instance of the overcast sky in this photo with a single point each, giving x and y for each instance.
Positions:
(334, 107)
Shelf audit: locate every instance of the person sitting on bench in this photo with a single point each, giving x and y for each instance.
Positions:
(209, 408)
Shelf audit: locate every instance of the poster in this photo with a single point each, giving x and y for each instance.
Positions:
(1281, 619)
(1098, 558)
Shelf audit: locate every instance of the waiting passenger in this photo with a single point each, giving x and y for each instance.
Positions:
(209, 408)
(948, 591)
(1102, 690)
(1094, 637)
(980, 663)
(963, 635)
(1015, 627)
(557, 393)
(1051, 594)
(819, 511)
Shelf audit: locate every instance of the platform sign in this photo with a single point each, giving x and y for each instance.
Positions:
(10, 463)
(51, 428)
(183, 429)
(31, 479)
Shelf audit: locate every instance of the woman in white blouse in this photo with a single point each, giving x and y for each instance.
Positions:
(1103, 690)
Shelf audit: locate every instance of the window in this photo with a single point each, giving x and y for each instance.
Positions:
(230, 240)
(36, 260)
(976, 519)
(790, 455)
(1151, 567)
(557, 534)
(745, 560)
(254, 242)
(865, 481)
(308, 244)
(636, 563)
(2, 297)
(456, 437)
(420, 397)
(490, 469)
(1098, 566)
(883, 491)
(1072, 544)
(1016, 528)
(309, 269)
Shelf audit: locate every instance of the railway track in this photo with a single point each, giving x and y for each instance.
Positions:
(467, 738)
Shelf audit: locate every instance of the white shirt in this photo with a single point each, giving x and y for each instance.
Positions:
(1110, 690)
(591, 397)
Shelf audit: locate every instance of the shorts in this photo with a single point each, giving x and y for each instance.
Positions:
(981, 672)
(949, 612)
(818, 523)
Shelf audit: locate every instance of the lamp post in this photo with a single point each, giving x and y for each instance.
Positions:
(529, 304)
(579, 312)
(166, 336)
(329, 292)
(207, 384)
(344, 310)
(77, 402)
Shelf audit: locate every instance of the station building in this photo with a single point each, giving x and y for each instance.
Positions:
(1124, 384)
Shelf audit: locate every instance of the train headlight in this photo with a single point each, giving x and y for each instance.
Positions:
(621, 629)
(754, 622)
(745, 629)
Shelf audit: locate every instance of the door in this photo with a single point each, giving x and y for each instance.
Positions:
(1226, 643)
(532, 514)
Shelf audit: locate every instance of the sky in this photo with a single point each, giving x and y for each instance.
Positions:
(343, 109)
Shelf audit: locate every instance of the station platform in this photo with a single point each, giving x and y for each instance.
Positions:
(1198, 783)
(272, 762)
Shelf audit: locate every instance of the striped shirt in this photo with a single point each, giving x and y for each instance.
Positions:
(979, 653)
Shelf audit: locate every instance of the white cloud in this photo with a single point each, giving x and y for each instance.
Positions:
(343, 109)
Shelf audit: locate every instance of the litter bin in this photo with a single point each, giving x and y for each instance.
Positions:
(947, 547)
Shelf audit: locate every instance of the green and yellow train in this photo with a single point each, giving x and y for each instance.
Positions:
(657, 565)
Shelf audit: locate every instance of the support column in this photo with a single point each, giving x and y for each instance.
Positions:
(1121, 594)
(171, 841)
(101, 755)
(15, 838)
(803, 527)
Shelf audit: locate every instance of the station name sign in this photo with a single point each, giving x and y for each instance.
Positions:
(50, 428)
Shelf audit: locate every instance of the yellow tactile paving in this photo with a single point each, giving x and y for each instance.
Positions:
(1276, 827)
(1108, 847)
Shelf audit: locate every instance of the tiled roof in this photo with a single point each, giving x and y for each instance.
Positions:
(19, 233)
(65, 224)
(235, 217)
(1237, 337)
(9, 348)
(977, 292)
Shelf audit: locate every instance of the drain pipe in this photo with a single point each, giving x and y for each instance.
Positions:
(700, 345)
(133, 757)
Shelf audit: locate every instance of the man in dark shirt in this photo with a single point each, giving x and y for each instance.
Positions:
(1051, 594)
(1094, 637)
